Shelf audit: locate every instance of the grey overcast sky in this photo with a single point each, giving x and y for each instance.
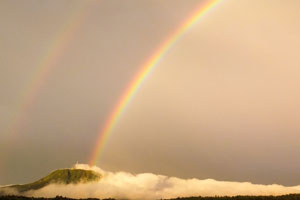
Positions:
(224, 103)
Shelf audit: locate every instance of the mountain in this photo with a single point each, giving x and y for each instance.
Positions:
(61, 176)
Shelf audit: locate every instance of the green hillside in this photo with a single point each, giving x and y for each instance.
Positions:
(61, 176)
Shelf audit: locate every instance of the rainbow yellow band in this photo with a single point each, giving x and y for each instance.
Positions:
(140, 77)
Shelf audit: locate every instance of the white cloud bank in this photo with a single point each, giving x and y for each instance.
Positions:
(123, 185)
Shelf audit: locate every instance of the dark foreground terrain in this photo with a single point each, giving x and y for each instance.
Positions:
(11, 197)
(283, 197)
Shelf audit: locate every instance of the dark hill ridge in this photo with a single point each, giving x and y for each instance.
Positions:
(61, 176)
(283, 197)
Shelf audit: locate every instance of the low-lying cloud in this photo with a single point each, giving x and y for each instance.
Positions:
(123, 185)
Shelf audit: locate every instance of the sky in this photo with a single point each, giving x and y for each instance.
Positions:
(223, 103)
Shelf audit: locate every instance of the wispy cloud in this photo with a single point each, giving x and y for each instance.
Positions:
(125, 185)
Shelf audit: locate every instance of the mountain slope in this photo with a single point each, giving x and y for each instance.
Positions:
(61, 176)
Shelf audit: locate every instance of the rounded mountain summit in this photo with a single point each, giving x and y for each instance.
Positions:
(60, 176)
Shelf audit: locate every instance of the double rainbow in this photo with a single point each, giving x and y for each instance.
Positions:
(145, 71)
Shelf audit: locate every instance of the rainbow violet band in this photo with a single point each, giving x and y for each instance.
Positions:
(141, 76)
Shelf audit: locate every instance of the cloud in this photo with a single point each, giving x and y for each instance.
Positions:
(123, 185)
(4, 191)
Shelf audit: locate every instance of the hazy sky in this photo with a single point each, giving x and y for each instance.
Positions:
(224, 103)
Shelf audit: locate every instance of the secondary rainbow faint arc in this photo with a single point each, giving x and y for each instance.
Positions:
(140, 77)
(55, 51)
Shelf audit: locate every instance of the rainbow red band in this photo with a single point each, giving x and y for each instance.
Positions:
(145, 71)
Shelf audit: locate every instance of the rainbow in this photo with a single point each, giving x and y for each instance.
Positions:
(54, 52)
(145, 71)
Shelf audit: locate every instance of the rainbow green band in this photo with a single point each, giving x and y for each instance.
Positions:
(140, 77)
